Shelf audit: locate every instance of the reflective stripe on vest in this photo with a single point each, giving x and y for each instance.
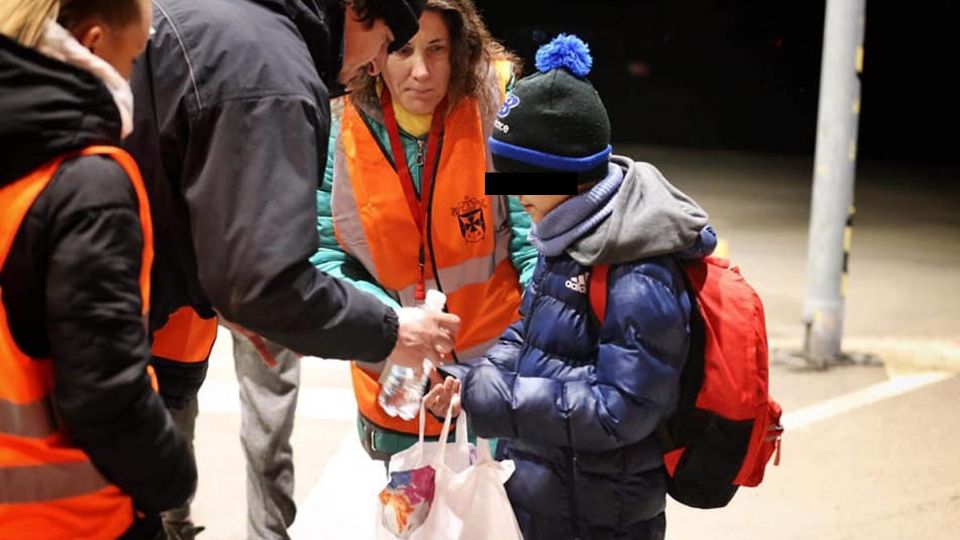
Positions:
(470, 235)
(469, 272)
(47, 482)
(33, 420)
(48, 487)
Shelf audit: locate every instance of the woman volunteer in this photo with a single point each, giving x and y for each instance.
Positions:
(403, 208)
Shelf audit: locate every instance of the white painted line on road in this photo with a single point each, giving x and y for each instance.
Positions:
(318, 402)
(861, 398)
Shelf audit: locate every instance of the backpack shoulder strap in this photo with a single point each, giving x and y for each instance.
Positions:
(597, 290)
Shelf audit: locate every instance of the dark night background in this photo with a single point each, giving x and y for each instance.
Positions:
(743, 74)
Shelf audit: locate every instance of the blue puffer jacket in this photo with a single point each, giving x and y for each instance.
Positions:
(579, 402)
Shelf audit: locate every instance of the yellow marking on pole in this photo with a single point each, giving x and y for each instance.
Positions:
(859, 59)
(847, 243)
(852, 151)
(856, 106)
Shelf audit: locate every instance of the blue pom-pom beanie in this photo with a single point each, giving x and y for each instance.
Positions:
(554, 120)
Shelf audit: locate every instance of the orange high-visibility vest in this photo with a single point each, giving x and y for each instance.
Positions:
(470, 236)
(49, 489)
(186, 338)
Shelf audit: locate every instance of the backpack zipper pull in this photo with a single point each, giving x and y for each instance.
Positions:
(778, 443)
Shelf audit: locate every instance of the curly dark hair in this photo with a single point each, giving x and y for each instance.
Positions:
(368, 11)
(472, 53)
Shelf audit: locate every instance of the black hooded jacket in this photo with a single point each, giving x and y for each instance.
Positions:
(231, 123)
(71, 282)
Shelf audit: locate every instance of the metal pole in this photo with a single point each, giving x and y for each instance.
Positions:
(831, 212)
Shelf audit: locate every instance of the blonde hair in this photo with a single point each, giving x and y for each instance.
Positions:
(23, 20)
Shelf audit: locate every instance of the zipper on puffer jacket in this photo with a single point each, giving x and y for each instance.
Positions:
(574, 513)
(421, 154)
(572, 466)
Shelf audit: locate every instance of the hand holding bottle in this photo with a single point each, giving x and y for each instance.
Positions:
(429, 333)
(424, 334)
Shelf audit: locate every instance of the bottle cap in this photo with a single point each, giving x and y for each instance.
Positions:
(435, 300)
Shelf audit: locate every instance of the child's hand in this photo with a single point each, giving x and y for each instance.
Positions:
(441, 395)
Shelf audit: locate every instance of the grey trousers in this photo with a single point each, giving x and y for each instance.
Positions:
(185, 419)
(268, 401)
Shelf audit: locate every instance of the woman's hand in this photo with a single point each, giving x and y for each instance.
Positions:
(441, 395)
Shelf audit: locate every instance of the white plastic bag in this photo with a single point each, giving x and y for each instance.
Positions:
(458, 455)
(470, 502)
(404, 504)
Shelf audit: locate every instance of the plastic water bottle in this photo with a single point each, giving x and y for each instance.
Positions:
(401, 387)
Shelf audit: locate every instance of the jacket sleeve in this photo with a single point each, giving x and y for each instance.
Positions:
(503, 355)
(330, 258)
(250, 186)
(619, 401)
(99, 344)
(522, 253)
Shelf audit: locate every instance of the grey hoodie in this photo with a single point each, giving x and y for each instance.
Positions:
(650, 217)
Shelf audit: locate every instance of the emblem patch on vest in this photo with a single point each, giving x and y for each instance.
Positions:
(470, 216)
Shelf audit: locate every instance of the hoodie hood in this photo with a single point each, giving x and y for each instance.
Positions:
(650, 217)
(57, 42)
(48, 108)
(320, 22)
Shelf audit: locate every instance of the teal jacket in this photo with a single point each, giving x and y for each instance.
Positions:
(330, 257)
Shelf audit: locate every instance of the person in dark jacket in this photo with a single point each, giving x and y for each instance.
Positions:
(232, 118)
(578, 402)
(71, 285)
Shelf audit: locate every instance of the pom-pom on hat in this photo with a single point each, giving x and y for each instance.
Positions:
(554, 120)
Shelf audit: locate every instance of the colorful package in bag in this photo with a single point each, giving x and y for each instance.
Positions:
(405, 502)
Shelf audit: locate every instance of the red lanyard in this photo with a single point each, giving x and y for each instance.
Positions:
(418, 207)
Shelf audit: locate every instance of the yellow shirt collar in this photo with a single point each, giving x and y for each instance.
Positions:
(415, 124)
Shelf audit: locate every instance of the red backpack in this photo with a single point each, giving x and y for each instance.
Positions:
(726, 426)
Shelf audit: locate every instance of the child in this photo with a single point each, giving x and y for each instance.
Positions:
(579, 403)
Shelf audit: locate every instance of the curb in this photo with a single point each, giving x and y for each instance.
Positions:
(902, 355)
